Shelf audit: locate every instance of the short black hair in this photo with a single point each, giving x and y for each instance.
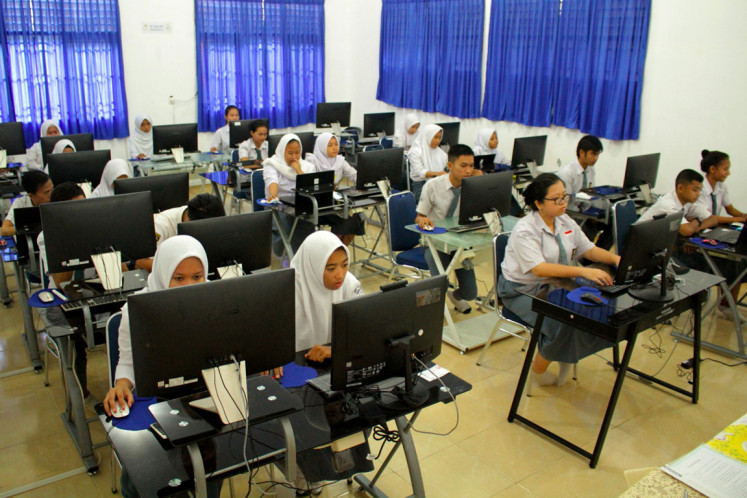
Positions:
(537, 190)
(205, 206)
(257, 124)
(687, 176)
(66, 191)
(459, 150)
(711, 158)
(33, 180)
(228, 109)
(589, 142)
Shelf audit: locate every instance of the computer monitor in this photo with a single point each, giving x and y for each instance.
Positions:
(528, 149)
(78, 167)
(167, 191)
(246, 317)
(308, 139)
(74, 230)
(238, 131)
(640, 170)
(11, 138)
(82, 141)
(451, 133)
(369, 346)
(244, 239)
(329, 113)
(380, 122)
(376, 165)
(167, 137)
(485, 193)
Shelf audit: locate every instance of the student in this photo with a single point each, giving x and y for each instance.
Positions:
(439, 200)
(141, 140)
(64, 146)
(406, 136)
(116, 169)
(221, 139)
(326, 157)
(49, 128)
(543, 245)
(714, 195)
(322, 278)
(426, 158)
(256, 148)
(487, 143)
(38, 188)
(580, 174)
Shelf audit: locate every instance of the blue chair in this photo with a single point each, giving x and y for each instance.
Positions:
(235, 155)
(112, 354)
(386, 143)
(368, 148)
(623, 215)
(403, 242)
(258, 189)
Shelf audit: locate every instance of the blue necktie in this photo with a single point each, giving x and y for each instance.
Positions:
(563, 256)
(454, 202)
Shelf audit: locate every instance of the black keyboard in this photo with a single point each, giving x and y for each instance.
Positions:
(607, 289)
(95, 301)
(468, 228)
(354, 192)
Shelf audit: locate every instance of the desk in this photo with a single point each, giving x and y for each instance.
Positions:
(196, 160)
(221, 181)
(622, 318)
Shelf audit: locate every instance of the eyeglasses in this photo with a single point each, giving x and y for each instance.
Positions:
(559, 201)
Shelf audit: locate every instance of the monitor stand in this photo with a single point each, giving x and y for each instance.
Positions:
(109, 269)
(659, 294)
(413, 395)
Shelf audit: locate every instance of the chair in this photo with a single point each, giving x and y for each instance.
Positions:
(112, 353)
(235, 156)
(623, 215)
(258, 189)
(401, 212)
(386, 143)
(369, 148)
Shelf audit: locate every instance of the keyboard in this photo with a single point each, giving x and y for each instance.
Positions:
(613, 289)
(354, 192)
(96, 301)
(467, 228)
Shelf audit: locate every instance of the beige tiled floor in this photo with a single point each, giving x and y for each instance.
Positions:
(484, 456)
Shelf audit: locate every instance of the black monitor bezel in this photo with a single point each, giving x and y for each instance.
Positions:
(527, 147)
(368, 168)
(636, 166)
(325, 111)
(82, 142)
(371, 119)
(188, 135)
(62, 166)
(12, 139)
(175, 185)
(450, 135)
(476, 191)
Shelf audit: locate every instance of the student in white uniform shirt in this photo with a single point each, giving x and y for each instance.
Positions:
(406, 136)
(326, 157)
(116, 169)
(580, 174)
(256, 148)
(49, 128)
(426, 158)
(141, 139)
(714, 196)
(487, 143)
(543, 245)
(38, 188)
(221, 138)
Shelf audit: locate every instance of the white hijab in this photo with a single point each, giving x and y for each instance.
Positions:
(327, 163)
(433, 159)
(277, 161)
(169, 255)
(113, 170)
(313, 299)
(46, 124)
(59, 147)
(481, 142)
(142, 142)
(411, 119)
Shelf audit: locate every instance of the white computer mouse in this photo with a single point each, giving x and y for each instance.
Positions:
(428, 228)
(46, 297)
(121, 412)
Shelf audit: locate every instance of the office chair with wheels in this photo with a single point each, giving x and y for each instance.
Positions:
(410, 255)
(623, 216)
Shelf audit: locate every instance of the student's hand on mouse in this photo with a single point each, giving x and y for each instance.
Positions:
(423, 221)
(319, 353)
(213, 149)
(276, 373)
(598, 276)
(120, 394)
(142, 156)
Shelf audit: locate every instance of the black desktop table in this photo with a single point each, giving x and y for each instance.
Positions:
(621, 319)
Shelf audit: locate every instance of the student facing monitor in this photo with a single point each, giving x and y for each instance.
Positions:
(74, 230)
(376, 165)
(78, 167)
(11, 138)
(485, 193)
(528, 150)
(330, 113)
(369, 346)
(238, 131)
(208, 324)
(82, 141)
(380, 122)
(451, 133)
(640, 170)
(307, 142)
(244, 239)
(167, 191)
(167, 137)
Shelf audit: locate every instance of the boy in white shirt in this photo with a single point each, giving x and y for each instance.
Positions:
(38, 188)
(580, 174)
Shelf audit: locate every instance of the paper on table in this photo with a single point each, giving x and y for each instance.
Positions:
(710, 472)
(433, 373)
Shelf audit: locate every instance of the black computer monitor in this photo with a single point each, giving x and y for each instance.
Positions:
(11, 138)
(74, 230)
(380, 122)
(78, 167)
(376, 165)
(246, 317)
(168, 191)
(369, 346)
(82, 141)
(450, 133)
(167, 137)
(308, 139)
(640, 170)
(527, 150)
(329, 113)
(485, 193)
(238, 131)
(245, 239)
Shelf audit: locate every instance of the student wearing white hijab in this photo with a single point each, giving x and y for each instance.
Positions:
(326, 157)
(49, 128)
(406, 136)
(426, 158)
(62, 146)
(221, 138)
(487, 143)
(322, 278)
(114, 170)
(141, 140)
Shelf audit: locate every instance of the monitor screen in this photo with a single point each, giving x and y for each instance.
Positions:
(244, 239)
(167, 137)
(329, 113)
(11, 138)
(641, 169)
(528, 149)
(167, 191)
(451, 133)
(376, 165)
(308, 139)
(380, 122)
(82, 141)
(73, 230)
(239, 131)
(484, 193)
(78, 167)
(247, 317)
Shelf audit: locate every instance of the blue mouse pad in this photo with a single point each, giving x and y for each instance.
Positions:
(607, 190)
(435, 231)
(139, 418)
(37, 303)
(295, 375)
(575, 295)
(699, 241)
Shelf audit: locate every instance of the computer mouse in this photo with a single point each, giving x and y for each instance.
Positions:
(428, 228)
(710, 242)
(591, 298)
(46, 297)
(3, 242)
(121, 412)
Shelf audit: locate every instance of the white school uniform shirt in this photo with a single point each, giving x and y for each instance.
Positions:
(323, 162)
(34, 154)
(722, 197)
(532, 242)
(423, 157)
(141, 142)
(276, 170)
(221, 139)
(669, 203)
(402, 137)
(166, 223)
(436, 198)
(248, 148)
(572, 176)
(24, 201)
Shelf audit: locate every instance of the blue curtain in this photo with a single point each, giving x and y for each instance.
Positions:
(431, 55)
(600, 56)
(64, 61)
(265, 57)
(519, 72)
(7, 110)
